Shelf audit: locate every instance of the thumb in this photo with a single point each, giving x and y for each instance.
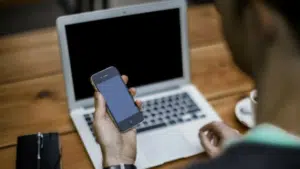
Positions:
(100, 108)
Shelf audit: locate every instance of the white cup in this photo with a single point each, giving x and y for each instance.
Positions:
(253, 98)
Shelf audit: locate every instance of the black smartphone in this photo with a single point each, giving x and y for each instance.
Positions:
(119, 102)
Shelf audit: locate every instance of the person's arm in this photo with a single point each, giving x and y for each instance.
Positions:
(117, 148)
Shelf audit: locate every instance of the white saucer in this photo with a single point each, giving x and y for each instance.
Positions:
(244, 112)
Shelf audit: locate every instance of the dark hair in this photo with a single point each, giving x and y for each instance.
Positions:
(290, 10)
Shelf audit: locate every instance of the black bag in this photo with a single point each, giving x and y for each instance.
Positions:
(39, 151)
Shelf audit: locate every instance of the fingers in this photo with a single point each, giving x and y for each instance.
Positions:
(139, 104)
(215, 127)
(125, 79)
(210, 136)
(132, 91)
(207, 144)
(100, 108)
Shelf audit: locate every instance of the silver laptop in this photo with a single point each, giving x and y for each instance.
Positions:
(149, 43)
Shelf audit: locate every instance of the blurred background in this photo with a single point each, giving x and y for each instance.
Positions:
(25, 15)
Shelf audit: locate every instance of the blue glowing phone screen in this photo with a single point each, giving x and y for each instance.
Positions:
(118, 99)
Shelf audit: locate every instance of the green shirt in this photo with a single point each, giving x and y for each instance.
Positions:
(271, 135)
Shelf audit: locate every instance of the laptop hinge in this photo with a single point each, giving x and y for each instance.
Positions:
(158, 91)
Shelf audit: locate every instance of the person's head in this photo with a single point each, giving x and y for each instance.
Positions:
(257, 30)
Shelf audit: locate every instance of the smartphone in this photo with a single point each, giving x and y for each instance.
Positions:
(120, 104)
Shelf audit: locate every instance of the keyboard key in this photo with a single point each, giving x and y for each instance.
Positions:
(175, 115)
(186, 116)
(86, 116)
(145, 123)
(189, 103)
(162, 107)
(203, 116)
(167, 117)
(185, 95)
(153, 115)
(90, 123)
(153, 121)
(180, 120)
(168, 112)
(160, 119)
(193, 109)
(160, 113)
(195, 116)
(151, 127)
(88, 119)
(172, 122)
(148, 103)
(145, 116)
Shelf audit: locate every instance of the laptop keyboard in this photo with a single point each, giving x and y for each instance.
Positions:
(89, 118)
(162, 112)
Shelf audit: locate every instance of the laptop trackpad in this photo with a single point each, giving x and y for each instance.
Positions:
(163, 145)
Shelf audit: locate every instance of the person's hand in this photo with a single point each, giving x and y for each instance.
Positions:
(117, 148)
(214, 135)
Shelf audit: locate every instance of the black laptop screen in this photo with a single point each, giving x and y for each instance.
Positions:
(146, 47)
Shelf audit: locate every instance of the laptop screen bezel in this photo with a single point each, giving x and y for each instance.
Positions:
(61, 23)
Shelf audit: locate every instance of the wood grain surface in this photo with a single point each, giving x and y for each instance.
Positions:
(214, 73)
(33, 99)
(29, 55)
(203, 26)
(36, 54)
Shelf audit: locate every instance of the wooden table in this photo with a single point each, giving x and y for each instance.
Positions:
(32, 94)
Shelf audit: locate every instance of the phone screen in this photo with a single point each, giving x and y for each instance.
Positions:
(118, 99)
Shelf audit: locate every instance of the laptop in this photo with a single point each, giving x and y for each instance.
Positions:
(149, 43)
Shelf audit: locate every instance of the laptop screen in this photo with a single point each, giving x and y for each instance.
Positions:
(146, 47)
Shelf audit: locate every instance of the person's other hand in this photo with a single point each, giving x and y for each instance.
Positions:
(214, 135)
(117, 148)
